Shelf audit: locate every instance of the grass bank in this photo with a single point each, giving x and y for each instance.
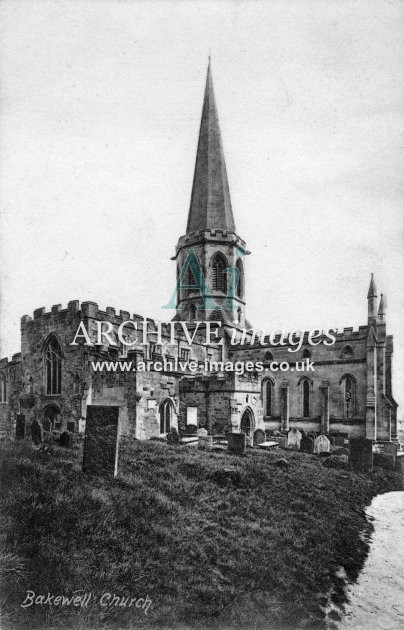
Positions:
(214, 541)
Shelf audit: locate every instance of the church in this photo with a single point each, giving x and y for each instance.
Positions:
(349, 392)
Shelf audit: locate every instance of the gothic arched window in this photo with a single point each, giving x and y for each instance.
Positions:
(305, 385)
(268, 357)
(3, 388)
(347, 352)
(165, 416)
(267, 395)
(53, 366)
(219, 279)
(348, 389)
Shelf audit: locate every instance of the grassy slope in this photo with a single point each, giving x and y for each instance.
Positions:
(256, 546)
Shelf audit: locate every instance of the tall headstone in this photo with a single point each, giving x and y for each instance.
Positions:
(236, 443)
(294, 439)
(36, 432)
(100, 455)
(339, 441)
(361, 455)
(307, 444)
(20, 426)
(321, 445)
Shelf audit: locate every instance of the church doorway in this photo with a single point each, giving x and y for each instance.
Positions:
(247, 422)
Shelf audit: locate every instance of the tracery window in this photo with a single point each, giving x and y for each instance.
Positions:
(53, 366)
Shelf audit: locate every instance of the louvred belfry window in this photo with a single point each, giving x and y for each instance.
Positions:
(218, 274)
(53, 358)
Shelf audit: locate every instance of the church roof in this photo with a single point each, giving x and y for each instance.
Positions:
(210, 207)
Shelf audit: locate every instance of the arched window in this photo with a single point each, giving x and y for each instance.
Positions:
(347, 352)
(53, 366)
(267, 397)
(165, 416)
(268, 357)
(3, 388)
(306, 353)
(305, 385)
(239, 285)
(219, 279)
(349, 395)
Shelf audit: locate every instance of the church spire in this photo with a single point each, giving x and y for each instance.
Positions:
(210, 207)
(372, 301)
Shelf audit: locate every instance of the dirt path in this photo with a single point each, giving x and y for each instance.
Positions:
(377, 598)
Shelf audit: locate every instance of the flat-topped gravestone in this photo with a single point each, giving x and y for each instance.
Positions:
(294, 439)
(205, 442)
(100, 455)
(202, 432)
(20, 426)
(307, 444)
(36, 432)
(259, 437)
(321, 445)
(236, 443)
(66, 439)
(361, 455)
(82, 425)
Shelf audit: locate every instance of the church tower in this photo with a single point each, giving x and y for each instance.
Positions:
(210, 256)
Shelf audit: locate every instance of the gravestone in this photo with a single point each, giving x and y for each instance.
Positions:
(71, 426)
(321, 445)
(82, 425)
(385, 455)
(361, 455)
(294, 439)
(339, 441)
(20, 426)
(205, 442)
(236, 443)
(307, 444)
(259, 437)
(248, 440)
(100, 455)
(36, 432)
(331, 439)
(282, 441)
(66, 439)
(202, 432)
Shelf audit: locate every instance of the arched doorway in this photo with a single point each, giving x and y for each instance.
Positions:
(247, 422)
(52, 419)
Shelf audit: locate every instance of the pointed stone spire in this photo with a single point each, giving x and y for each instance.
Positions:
(372, 288)
(382, 308)
(372, 301)
(210, 207)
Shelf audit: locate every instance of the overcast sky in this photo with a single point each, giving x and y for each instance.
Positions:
(101, 104)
